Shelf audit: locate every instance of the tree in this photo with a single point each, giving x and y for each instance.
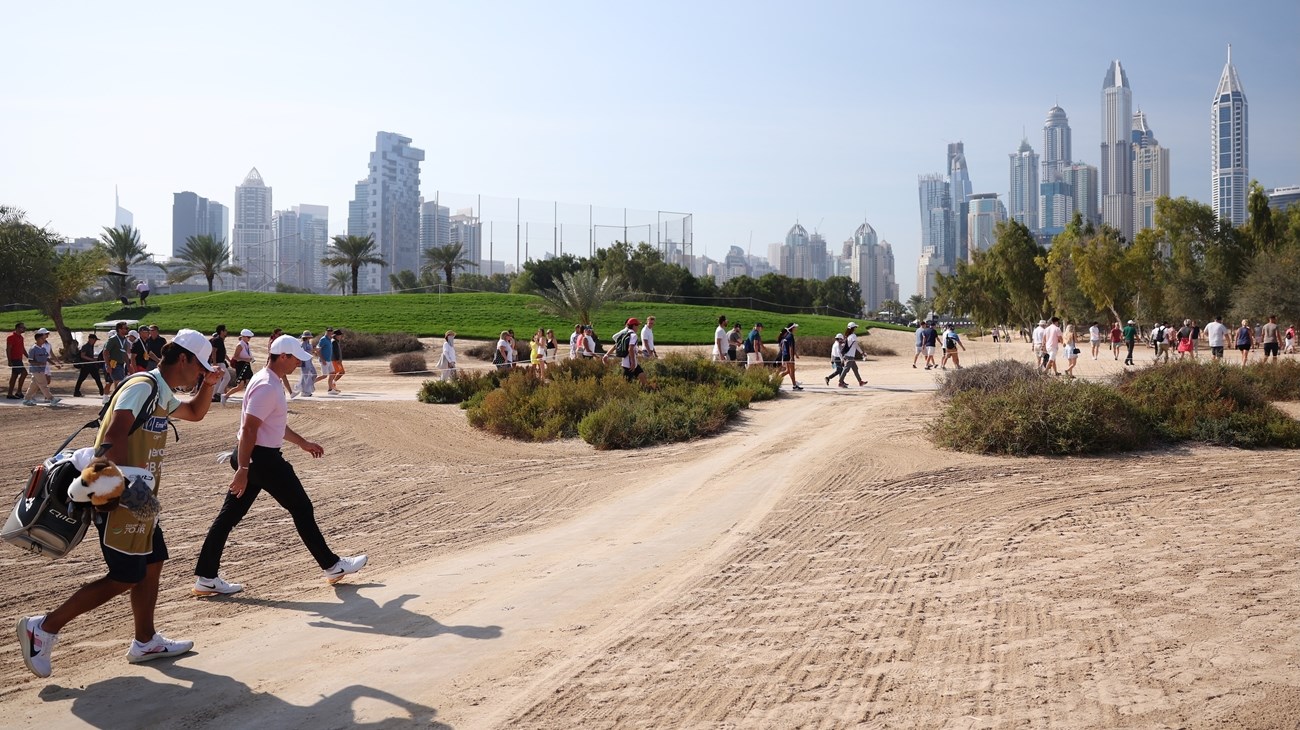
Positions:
(539, 274)
(72, 274)
(26, 257)
(1061, 276)
(203, 256)
(123, 249)
(353, 252)
(447, 259)
(1269, 288)
(1106, 273)
(406, 282)
(578, 295)
(1263, 229)
(339, 281)
(892, 307)
(919, 306)
(494, 283)
(839, 295)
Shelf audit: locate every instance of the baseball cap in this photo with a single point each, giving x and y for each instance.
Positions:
(197, 344)
(839, 335)
(632, 322)
(288, 345)
(852, 325)
(1130, 321)
(245, 333)
(42, 331)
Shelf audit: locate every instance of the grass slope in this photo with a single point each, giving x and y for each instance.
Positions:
(472, 315)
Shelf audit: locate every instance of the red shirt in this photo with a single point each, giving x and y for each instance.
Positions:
(14, 346)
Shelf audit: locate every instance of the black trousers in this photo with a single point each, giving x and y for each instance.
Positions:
(1128, 359)
(269, 472)
(88, 371)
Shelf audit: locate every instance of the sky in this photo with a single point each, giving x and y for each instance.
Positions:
(750, 116)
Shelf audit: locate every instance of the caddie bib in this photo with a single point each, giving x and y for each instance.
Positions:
(124, 532)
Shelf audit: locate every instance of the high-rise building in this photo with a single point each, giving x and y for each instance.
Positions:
(195, 215)
(959, 180)
(287, 259)
(803, 256)
(218, 221)
(1281, 198)
(301, 236)
(986, 212)
(467, 230)
(251, 244)
(819, 260)
(1082, 179)
(1150, 173)
(435, 224)
(386, 207)
(1056, 145)
(121, 216)
(938, 220)
(1117, 151)
(1229, 147)
(927, 266)
(864, 263)
(1023, 198)
(886, 281)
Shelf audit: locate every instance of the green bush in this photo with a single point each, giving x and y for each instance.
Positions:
(364, 344)
(680, 412)
(1276, 380)
(460, 389)
(1210, 402)
(1040, 416)
(987, 377)
(408, 362)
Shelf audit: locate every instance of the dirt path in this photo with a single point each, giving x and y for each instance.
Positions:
(818, 565)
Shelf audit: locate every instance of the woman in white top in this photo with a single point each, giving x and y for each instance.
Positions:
(1094, 338)
(1071, 350)
(447, 362)
(242, 362)
(837, 357)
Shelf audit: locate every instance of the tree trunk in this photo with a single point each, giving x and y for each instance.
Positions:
(355, 271)
(65, 334)
(210, 278)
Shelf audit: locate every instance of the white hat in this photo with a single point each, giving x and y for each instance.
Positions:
(839, 335)
(1130, 321)
(288, 345)
(132, 334)
(197, 344)
(41, 331)
(1042, 322)
(245, 333)
(852, 325)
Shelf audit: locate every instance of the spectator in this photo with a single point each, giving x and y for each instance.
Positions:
(951, 341)
(1071, 340)
(589, 345)
(632, 369)
(1040, 355)
(552, 348)
(1290, 340)
(1116, 339)
(501, 355)
(153, 344)
(1130, 334)
(1245, 340)
(648, 338)
(929, 339)
(1094, 338)
(284, 379)
(786, 354)
(88, 365)
(537, 354)
(754, 346)
(139, 356)
(219, 361)
(575, 342)
(325, 349)
(242, 363)
(1158, 341)
(117, 352)
(851, 353)
(1216, 335)
(39, 359)
(734, 339)
(1185, 340)
(720, 340)
(307, 380)
(1196, 339)
(1271, 337)
(336, 362)
(16, 353)
(1052, 345)
(837, 357)
(920, 346)
(446, 366)
(142, 291)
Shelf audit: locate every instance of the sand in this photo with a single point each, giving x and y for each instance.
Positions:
(819, 564)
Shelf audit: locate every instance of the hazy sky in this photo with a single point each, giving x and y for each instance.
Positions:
(748, 115)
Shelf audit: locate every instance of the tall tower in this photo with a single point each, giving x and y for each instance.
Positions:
(959, 179)
(1056, 145)
(938, 221)
(864, 265)
(251, 242)
(1150, 173)
(1229, 148)
(1116, 151)
(1024, 186)
(386, 207)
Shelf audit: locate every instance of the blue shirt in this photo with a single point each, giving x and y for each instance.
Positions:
(326, 348)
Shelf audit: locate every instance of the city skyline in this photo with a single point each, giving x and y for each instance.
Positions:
(530, 113)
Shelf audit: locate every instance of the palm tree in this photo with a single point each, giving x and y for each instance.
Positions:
(353, 252)
(446, 259)
(123, 248)
(577, 295)
(406, 282)
(203, 256)
(919, 306)
(339, 281)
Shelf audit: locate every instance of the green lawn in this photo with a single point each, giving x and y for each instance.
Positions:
(472, 315)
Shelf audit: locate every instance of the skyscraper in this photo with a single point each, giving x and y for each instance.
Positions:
(301, 236)
(386, 206)
(1055, 197)
(467, 230)
(986, 212)
(1116, 151)
(435, 224)
(959, 180)
(1082, 179)
(287, 248)
(1150, 173)
(195, 215)
(1023, 198)
(251, 240)
(863, 263)
(1229, 147)
(121, 216)
(938, 221)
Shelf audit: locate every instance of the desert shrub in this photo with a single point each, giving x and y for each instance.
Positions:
(986, 377)
(408, 362)
(365, 344)
(1041, 416)
(581, 367)
(1276, 381)
(459, 389)
(680, 412)
(1208, 402)
(528, 408)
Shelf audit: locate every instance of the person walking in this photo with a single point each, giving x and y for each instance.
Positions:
(447, 361)
(336, 362)
(242, 362)
(275, 335)
(1245, 340)
(139, 359)
(720, 340)
(1040, 354)
(837, 357)
(786, 355)
(40, 357)
(1116, 339)
(133, 548)
(501, 354)
(1094, 338)
(851, 352)
(537, 353)
(1215, 336)
(142, 291)
(1051, 345)
(632, 369)
(1130, 334)
(1071, 339)
(260, 466)
(575, 342)
(88, 365)
(734, 343)
(920, 344)
(1271, 336)
(1290, 341)
(220, 361)
(552, 348)
(16, 355)
(754, 346)
(648, 338)
(117, 351)
(951, 341)
(325, 351)
(1185, 340)
(307, 380)
(153, 345)
(929, 338)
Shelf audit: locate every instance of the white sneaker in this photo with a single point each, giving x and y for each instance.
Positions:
(343, 567)
(157, 648)
(55, 401)
(36, 644)
(215, 587)
(224, 399)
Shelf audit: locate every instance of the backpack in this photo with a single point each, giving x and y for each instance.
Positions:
(43, 521)
(622, 343)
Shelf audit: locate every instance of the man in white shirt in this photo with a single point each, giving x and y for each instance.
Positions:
(720, 340)
(1052, 343)
(632, 369)
(1040, 357)
(259, 465)
(1216, 335)
(648, 338)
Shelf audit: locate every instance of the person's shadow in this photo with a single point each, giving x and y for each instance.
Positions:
(361, 614)
(211, 699)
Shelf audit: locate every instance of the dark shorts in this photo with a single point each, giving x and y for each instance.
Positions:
(1243, 348)
(125, 568)
(118, 373)
(243, 371)
(1216, 351)
(731, 354)
(16, 366)
(632, 373)
(1270, 348)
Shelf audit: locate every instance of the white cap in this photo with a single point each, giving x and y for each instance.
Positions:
(42, 331)
(245, 333)
(289, 345)
(839, 335)
(197, 344)
(852, 325)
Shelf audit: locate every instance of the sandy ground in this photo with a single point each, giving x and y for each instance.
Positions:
(820, 564)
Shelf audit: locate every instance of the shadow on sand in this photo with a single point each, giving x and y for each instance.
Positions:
(361, 614)
(210, 699)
